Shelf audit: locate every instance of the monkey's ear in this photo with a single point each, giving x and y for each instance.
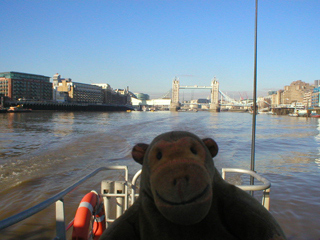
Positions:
(138, 152)
(211, 145)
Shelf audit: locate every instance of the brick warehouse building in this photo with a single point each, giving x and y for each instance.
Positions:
(16, 85)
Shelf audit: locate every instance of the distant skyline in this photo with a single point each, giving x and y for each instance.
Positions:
(145, 44)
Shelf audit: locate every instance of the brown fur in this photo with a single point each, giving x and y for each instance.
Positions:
(182, 196)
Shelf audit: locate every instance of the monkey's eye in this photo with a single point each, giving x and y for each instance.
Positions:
(159, 155)
(193, 150)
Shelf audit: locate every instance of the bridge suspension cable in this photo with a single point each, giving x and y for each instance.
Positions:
(167, 94)
(226, 97)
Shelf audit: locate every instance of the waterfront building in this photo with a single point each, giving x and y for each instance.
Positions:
(276, 98)
(111, 96)
(315, 97)
(142, 101)
(152, 104)
(25, 86)
(159, 104)
(66, 90)
(59, 96)
(142, 96)
(139, 99)
(1, 101)
(307, 99)
(124, 95)
(271, 92)
(108, 93)
(69, 91)
(295, 92)
(85, 93)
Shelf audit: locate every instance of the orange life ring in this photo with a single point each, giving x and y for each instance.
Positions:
(89, 204)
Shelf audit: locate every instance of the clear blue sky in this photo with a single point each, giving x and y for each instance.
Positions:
(145, 44)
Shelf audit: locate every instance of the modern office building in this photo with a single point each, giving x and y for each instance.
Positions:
(315, 97)
(24, 86)
(142, 96)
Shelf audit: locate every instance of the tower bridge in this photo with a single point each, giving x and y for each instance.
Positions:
(214, 96)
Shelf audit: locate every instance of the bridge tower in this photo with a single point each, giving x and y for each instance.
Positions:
(175, 95)
(214, 105)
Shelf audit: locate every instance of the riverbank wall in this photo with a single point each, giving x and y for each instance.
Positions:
(72, 106)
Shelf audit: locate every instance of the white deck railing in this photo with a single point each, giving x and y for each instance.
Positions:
(118, 196)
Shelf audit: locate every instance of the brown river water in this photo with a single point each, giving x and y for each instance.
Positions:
(43, 152)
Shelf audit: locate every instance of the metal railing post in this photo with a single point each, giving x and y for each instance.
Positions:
(60, 220)
(134, 186)
(266, 198)
(119, 188)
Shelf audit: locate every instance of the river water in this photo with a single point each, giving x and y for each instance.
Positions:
(43, 152)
